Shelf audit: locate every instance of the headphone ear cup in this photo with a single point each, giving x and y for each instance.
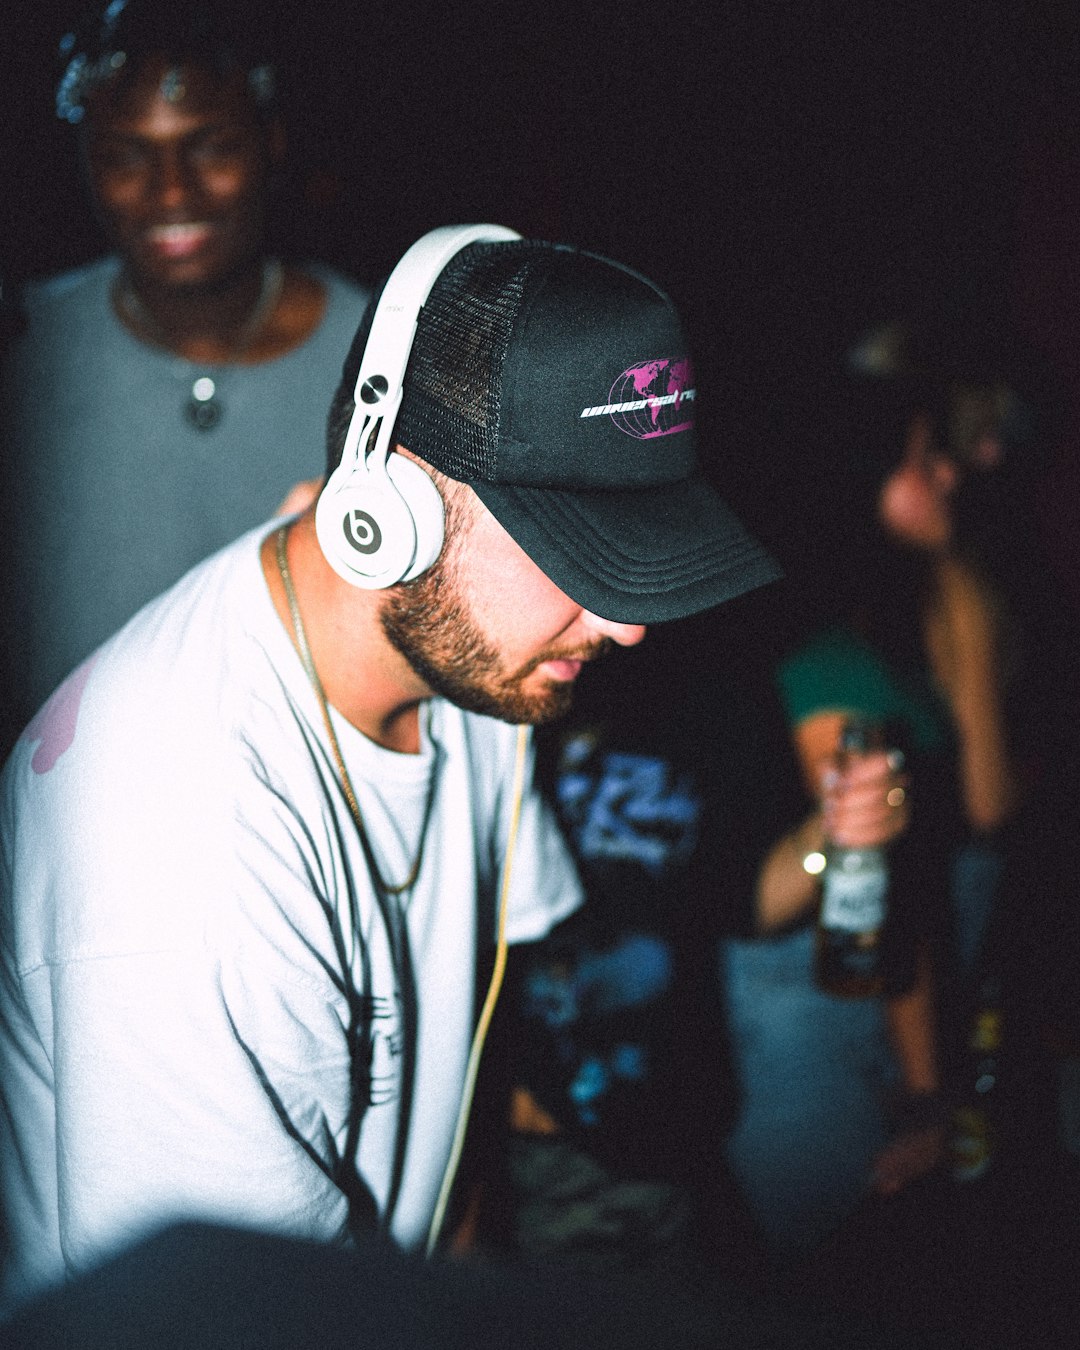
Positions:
(426, 507)
(377, 533)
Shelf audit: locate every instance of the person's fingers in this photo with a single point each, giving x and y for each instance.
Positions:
(866, 804)
(877, 767)
(863, 818)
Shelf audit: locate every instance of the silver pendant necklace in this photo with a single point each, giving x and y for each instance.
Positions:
(204, 407)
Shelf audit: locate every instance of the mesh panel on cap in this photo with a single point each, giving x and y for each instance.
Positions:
(450, 411)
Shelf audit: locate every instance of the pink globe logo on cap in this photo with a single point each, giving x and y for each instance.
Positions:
(654, 398)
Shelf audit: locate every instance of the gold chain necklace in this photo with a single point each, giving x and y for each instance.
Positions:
(204, 407)
(306, 660)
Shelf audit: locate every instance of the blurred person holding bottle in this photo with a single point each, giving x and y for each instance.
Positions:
(844, 1097)
(681, 796)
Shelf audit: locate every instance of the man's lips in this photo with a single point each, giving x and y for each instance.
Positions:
(178, 240)
(562, 669)
(567, 665)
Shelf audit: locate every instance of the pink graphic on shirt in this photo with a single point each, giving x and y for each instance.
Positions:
(55, 723)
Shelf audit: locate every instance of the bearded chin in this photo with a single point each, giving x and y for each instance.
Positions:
(426, 621)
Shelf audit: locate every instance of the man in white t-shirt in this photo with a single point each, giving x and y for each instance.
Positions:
(256, 850)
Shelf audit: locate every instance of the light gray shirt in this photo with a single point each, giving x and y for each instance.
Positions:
(113, 494)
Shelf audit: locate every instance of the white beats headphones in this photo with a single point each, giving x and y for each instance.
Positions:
(379, 519)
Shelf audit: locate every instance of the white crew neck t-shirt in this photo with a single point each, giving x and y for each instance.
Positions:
(205, 1010)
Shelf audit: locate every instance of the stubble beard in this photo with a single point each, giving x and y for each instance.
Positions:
(430, 624)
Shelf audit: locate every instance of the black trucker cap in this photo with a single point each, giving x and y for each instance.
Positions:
(558, 385)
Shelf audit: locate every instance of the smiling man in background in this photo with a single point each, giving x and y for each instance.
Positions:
(164, 398)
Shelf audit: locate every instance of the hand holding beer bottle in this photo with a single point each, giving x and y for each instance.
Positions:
(864, 808)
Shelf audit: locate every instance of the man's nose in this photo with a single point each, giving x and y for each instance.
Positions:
(170, 183)
(625, 634)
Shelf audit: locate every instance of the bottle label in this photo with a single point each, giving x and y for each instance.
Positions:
(853, 902)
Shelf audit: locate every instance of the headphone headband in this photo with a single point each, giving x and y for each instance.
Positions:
(379, 382)
(395, 507)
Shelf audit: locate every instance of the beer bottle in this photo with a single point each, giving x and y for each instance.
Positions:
(849, 959)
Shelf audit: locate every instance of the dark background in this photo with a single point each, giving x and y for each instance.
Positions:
(790, 172)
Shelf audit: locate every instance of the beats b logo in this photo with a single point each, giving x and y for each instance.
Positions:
(362, 532)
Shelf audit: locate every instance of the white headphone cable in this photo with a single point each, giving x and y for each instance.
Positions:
(488, 1010)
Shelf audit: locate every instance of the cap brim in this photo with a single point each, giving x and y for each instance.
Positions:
(635, 556)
